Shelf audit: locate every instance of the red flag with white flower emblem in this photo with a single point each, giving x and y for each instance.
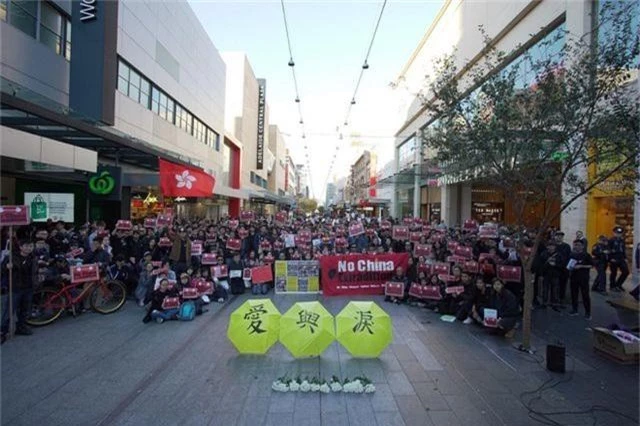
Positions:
(184, 181)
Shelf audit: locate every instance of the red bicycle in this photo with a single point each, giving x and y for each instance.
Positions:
(105, 297)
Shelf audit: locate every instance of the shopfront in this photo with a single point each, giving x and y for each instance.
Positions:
(430, 202)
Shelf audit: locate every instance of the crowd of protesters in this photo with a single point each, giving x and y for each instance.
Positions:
(159, 262)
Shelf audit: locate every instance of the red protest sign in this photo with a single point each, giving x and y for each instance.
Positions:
(470, 224)
(471, 266)
(441, 268)
(265, 245)
(432, 292)
(124, 225)
(400, 233)
(196, 249)
(385, 224)
(14, 215)
(219, 271)
(394, 289)
(422, 250)
(204, 287)
(416, 291)
(281, 218)
(233, 224)
(209, 259)
(150, 223)
(356, 229)
(415, 236)
(85, 273)
(247, 216)
(170, 303)
(75, 253)
(190, 293)
(452, 245)
(408, 221)
(261, 274)
(163, 220)
(234, 244)
(462, 251)
(164, 242)
(509, 273)
(455, 289)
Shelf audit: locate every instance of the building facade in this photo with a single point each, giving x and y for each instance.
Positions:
(518, 27)
(113, 84)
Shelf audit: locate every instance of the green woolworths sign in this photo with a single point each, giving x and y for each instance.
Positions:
(106, 183)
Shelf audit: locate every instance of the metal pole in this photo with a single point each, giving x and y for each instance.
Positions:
(416, 175)
(11, 327)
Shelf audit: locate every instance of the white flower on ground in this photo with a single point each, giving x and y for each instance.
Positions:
(315, 387)
(278, 386)
(294, 386)
(305, 386)
(325, 388)
(369, 388)
(336, 387)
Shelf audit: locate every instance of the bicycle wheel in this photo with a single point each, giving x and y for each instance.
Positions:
(46, 307)
(108, 297)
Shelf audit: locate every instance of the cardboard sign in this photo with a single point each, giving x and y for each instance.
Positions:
(233, 224)
(85, 273)
(163, 220)
(418, 221)
(509, 273)
(304, 236)
(219, 271)
(246, 274)
(416, 291)
(14, 215)
(431, 292)
(341, 242)
(75, 253)
(447, 278)
(234, 244)
(422, 250)
(265, 245)
(196, 249)
(452, 245)
(150, 222)
(171, 303)
(470, 224)
(427, 268)
(261, 274)
(456, 259)
(483, 257)
(394, 289)
(385, 224)
(400, 233)
(203, 287)
(454, 289)
(247, 216)
(289, 240)
(471, 266)
(164, 242)
(190, 293)
(278, 245)
(415, 237)
(209, 259)
(356, 229)
(440, 268)
(408, 221)
(124, 225)
(465, 252)
(490, 318)
(281, 217)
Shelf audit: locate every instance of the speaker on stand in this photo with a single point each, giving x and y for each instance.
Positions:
(556, 358)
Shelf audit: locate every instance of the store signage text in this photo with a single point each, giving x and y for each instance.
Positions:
(260, 145)
(88, 10)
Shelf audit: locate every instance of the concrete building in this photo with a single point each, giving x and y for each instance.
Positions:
(291, 184)
(330, 196)
(303, 181)
(138, 81)
(276, 181)
(362, 173)
(516, 26)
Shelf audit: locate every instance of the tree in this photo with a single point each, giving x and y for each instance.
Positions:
(307, 205)
(561, 119)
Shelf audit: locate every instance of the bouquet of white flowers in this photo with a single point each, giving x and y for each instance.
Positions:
(324, 388)
(305, 386)
(294, 385)
(357, 385)
(335, 384)
(280, 385)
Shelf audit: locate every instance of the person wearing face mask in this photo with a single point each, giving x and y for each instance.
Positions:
(579, 266)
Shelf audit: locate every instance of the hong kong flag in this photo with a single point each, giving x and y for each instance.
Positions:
(184, 181)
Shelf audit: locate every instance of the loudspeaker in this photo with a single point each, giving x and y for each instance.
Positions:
(556, 358)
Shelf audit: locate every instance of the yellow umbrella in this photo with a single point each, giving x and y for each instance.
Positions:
(364, 329)
(254, 326)
(307, 329)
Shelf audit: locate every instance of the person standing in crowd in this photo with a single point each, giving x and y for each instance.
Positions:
(97, 254)
(580, 264)
(180, 254)
(564, 252)
(24, 270)
(551, 272)
(617, 260)
(600, 254)
(580, 237)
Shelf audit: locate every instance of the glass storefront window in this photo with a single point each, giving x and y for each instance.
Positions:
(406, 154)
(23, 15)
(51, 27)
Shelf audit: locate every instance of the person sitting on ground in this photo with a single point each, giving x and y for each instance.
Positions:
(145, 285)
(398, 277)
(506, 304)
(156, 311)
(481, 298)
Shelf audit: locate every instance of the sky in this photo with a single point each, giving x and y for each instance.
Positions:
(329, 41)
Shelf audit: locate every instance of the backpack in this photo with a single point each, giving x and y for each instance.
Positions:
(187, 311)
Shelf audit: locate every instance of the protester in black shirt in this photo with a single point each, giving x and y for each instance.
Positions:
(617, 260)
(600, 253)
(507, 306)
(24, 269)
(580, 264)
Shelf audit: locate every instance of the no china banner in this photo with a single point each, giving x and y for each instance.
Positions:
(359, 274)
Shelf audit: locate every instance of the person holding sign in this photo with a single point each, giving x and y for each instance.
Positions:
(236, 268)
(24, 267)
(579, 267)
(508, 309)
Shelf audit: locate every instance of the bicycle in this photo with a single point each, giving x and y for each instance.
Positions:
(105, 296)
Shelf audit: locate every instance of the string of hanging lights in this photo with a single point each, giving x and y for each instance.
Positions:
(297, 99)
(365, 66)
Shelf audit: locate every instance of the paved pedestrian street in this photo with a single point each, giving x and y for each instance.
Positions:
(115, 370)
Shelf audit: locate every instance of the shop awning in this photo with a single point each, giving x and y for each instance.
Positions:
(30, 112)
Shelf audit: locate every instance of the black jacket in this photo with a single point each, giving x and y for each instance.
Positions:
(25, 271)
(506, 304)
